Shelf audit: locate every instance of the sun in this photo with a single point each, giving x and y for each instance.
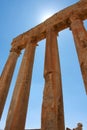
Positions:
(45, 16)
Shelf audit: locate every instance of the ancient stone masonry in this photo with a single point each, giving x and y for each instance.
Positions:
(52, 117)
(52, 108)
(18, 107)
(80, 37)
(6, 76)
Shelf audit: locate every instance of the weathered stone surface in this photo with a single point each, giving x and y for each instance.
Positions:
(52, 107)
(6, 77)
(18, 108)
(80, 37)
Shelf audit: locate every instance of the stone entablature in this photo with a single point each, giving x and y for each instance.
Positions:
(59, 21)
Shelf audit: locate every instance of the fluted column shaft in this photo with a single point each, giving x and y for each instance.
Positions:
(52, 107)
(18, 108)
(6, 77)
(80, 37)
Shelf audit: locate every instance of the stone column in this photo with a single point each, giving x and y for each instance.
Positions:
(80, 37)
(52, 107)
(18, 108)
(6, 76)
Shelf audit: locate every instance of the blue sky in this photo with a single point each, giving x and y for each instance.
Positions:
(18, 16)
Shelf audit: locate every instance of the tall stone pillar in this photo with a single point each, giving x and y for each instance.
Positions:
(52, 107)
(6, 76)
(80, 37)
(18, 108)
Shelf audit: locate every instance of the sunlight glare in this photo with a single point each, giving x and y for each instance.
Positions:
(46, 15)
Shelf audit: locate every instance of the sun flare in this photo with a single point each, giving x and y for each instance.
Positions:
(46, 16)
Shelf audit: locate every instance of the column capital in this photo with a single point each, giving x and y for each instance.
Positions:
(16, 49)
(73, 17)
(34, 44)
(74, 20)
(31, 41)
(51, 29)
